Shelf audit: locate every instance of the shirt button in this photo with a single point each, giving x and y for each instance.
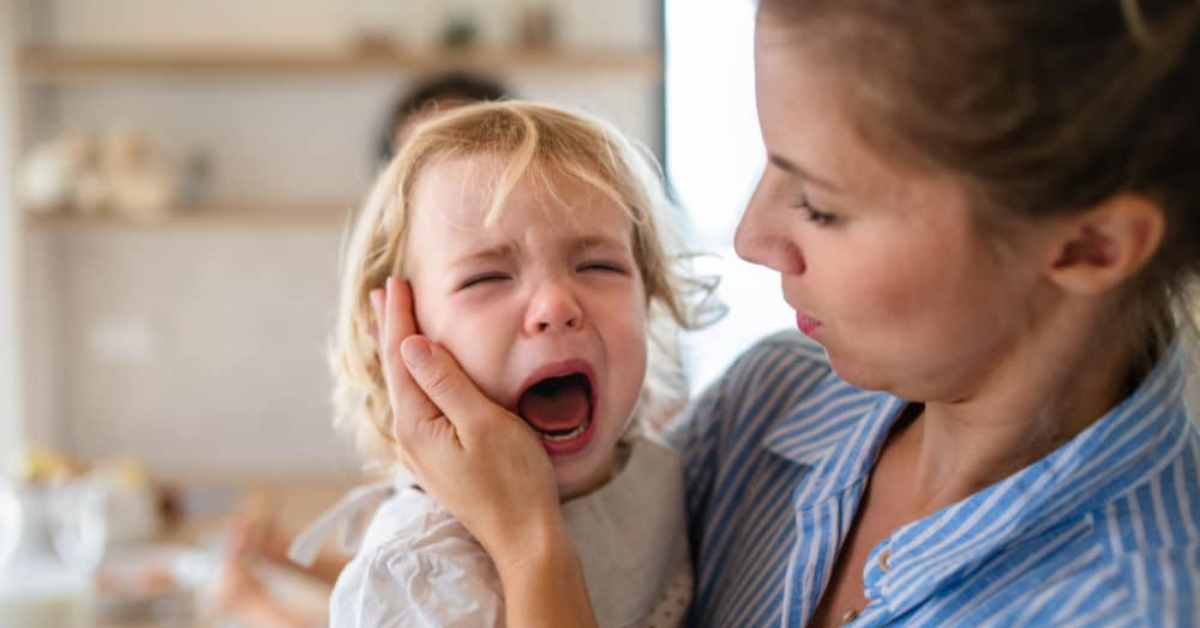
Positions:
(884, 557)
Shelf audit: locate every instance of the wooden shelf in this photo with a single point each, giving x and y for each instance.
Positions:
(238, 216)
(54, 64)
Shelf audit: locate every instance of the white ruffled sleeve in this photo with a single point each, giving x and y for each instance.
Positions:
(429, 574)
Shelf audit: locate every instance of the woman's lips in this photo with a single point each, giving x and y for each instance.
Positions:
(808, 324)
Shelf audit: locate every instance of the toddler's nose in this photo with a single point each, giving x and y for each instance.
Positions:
(553, 308)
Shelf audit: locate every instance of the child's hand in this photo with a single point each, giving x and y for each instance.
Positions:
(251, 532)
(484, 464)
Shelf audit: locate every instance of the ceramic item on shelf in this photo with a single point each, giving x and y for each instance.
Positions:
(125, 172)
(141, 176)
(535, 27)
(48, 175)
(197, 179)
(461, 32)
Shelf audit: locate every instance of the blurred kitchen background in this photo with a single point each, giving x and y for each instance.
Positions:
(175, 178)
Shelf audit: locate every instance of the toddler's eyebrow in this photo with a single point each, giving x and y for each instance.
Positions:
(508, 250)
(596, 242)
(500, 251)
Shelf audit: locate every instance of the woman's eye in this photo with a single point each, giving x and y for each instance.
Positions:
(814, 214)
(478, 280)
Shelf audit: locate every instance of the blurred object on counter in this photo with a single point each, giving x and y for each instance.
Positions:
(42, 465)
(125, 173)
(152, 582)
(51, 536)
(42, 598)
(131, 501)
(118, 492)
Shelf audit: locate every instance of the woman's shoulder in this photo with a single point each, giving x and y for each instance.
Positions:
(1149, 535)
(788, 344)
(782, 383)
(781, 358)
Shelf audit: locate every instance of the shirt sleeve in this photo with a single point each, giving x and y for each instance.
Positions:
(696, 435)
(702, 430)
(441, 580)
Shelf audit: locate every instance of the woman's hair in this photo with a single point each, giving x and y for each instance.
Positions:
(551, 146)
(1038, 108)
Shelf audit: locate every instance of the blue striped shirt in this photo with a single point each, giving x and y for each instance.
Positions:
(1101, 532)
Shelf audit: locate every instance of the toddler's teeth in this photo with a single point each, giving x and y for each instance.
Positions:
(569, 435)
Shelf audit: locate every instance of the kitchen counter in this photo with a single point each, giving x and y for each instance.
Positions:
(203, 509)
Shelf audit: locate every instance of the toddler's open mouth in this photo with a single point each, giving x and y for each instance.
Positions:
(560, 406)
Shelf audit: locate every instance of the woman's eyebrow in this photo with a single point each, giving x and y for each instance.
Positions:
(795, 169)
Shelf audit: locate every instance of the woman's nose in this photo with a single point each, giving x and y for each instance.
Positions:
(553, 308)
(764, 235)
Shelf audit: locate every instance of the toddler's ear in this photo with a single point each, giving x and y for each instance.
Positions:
(1100, 248)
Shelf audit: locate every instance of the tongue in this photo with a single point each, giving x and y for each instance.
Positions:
(555, 406)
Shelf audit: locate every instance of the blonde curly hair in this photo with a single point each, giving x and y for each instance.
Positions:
(543, 142)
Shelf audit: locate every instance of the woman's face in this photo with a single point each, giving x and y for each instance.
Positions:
(885, 267)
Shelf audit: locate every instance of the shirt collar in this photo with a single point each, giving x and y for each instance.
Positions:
(837, 430)
(1125, 447)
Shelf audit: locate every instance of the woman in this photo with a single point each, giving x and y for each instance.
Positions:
(982, 212)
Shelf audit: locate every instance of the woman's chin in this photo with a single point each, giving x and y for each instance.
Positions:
(854, 372)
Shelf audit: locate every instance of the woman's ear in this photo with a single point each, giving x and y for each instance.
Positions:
(1102, 247)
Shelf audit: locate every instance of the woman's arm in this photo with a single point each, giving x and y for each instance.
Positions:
(547, 588)
(485, 466)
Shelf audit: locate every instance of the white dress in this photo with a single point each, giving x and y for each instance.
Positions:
(419, 567)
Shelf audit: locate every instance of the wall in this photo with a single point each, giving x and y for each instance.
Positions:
(200, 350)
(11, 412)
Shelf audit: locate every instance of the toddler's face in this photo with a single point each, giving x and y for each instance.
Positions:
(545, 309)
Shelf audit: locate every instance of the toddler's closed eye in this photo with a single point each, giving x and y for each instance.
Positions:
(601, 266)
(485, 278)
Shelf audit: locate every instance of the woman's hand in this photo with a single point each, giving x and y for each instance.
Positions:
(483, 463)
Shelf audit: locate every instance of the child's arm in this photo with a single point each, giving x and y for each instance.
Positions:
(241, 596)
(254, 534)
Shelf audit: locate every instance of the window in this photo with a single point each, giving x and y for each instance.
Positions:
(713, 157)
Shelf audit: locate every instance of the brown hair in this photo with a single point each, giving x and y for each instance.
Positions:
(528, 139)
(1037, 108)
